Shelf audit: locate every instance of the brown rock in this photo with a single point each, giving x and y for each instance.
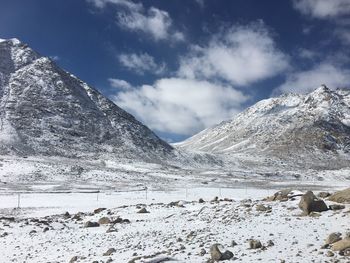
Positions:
(341, 196)
(341, 245)
(332, 238)
(310, 203)
(104, 220)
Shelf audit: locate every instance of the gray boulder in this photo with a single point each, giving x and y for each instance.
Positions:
(310, 203)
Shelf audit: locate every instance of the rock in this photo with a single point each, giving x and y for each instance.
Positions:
(66, 215)
(270, 243)
(202, 252)
(217, 255)
(280, 195)
(330, 254)
(73, 259)
(143, 211)
(46, 229)
(233, 243)
(201, 201)
(336, 207)
(227, 255)
(254, 244)
(323, 194)
(309, 203)
(216, 199)
(341, 196)
(104, 220)
(77, 217)
(91, 224)
(332, 238)
(262, 208)
(341, 245)
(109, 252)
(99, 210)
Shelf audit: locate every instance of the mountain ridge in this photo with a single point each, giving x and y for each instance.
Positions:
(317, 123)
(46, 110)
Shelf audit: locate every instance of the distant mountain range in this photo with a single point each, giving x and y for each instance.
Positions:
(47, 111)
(313, 129)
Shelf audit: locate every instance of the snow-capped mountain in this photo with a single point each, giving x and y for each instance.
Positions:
(311, 126)
(44, 110)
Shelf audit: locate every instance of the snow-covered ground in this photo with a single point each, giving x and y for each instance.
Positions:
(182, 231)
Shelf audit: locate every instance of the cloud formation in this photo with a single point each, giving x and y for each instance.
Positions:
(181, 106)
(141, 63)
(135, 17)
(305, 81)
(119, 84)
(323, 8)
(240, 55)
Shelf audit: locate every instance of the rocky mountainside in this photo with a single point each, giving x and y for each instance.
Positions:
(44, 110)
(315, 126)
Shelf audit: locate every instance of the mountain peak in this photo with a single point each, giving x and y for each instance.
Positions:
(44, 110)
(315, 125)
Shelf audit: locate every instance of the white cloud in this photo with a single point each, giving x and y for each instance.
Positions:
(306, 53)
(120, 84)
(141, 63)
(200, 3)
(240, 55)
(134, 17)
(126, 3)
(323, 8)
(325, 73)
(181, 106)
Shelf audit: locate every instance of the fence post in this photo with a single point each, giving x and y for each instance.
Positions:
(19, 200)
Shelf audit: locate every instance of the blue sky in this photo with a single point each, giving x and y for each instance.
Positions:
(182, 66)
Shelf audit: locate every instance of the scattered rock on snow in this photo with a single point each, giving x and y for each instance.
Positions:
(91, 224)
(263, 208)
(323, 194)
(336, 207)
(99, 210)
(143, 210)
(254, 244)
(104, 220)
(341, 245)
(332, 238)
(217, 255)
(341, 196)
(310, 203)
(109, 252)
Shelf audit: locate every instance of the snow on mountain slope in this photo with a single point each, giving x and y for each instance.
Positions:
(44, 110)
(312, 125)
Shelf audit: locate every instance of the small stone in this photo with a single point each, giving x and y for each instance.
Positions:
(109, 252)
(73, 259)
(254, 244)
(332, 238)
(233, 243)
(91, 224)
(99, 210)
(262, 208)
(330, 254)
(104, 220)
(143, 211)
(336, 207)
(201, 201)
